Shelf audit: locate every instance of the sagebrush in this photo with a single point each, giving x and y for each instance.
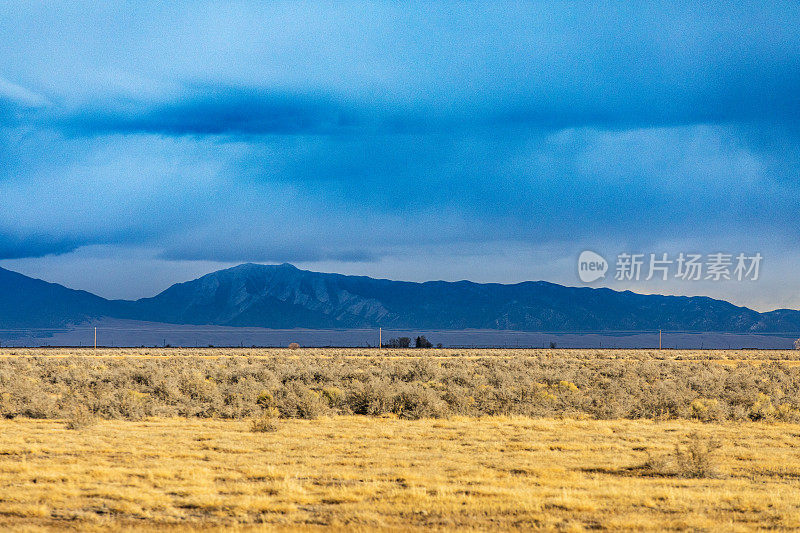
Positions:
(310, 386)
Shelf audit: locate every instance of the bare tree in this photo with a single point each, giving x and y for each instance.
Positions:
(402, 342)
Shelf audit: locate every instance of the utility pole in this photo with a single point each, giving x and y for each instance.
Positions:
(95, 337)
(380, 337)
(659, 339)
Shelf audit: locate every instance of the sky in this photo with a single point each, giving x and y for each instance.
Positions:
(144, 144)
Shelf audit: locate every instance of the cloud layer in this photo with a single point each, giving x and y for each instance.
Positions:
(368, 132)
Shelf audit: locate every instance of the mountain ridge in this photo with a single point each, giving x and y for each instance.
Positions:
(283, 296)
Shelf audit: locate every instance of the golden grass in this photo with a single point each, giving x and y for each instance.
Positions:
(722, 356)
(355, 472)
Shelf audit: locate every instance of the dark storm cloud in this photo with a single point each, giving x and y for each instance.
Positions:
(13, 247)
(211, 110)
(752, 94)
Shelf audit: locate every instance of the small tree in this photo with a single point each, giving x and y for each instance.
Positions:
(797, 344)
(422, 342)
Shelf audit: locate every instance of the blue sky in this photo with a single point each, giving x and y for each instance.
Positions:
(142, 145)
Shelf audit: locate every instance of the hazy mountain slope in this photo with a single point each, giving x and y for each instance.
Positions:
(32, 303)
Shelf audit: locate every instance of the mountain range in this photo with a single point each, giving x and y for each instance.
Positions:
(283, 296)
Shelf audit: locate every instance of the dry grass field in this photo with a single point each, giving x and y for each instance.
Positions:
(559, 353)
(396, 440)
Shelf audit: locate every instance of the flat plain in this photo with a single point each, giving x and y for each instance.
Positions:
(395, 440)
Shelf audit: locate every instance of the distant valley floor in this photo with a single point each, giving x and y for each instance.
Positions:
(117, 332)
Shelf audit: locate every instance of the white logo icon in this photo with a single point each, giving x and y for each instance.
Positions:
(591, 266)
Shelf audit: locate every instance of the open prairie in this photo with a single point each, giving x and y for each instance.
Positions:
(390, 439)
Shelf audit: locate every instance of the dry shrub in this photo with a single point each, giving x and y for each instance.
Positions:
(706, 410)
(334, 396)
(367, 399)
(80, 418)
(657, 465)
(418, 402)
(263, 425)
(697, 458)
(297, 401)
(762, 408)
(265, 400)
(786, 413)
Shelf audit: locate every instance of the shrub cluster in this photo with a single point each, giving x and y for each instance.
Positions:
(309, 387)
(696, 459)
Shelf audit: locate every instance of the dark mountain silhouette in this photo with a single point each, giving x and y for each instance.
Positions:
(282, 296)
(32, 303)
